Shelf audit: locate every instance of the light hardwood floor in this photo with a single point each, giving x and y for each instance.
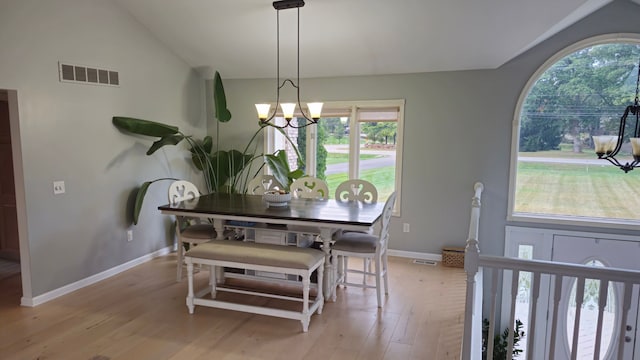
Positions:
(141, 314)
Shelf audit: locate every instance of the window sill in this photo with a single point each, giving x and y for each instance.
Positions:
(574, 221)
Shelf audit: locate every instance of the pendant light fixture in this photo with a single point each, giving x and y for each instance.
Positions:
(288, 109)
(608, 146)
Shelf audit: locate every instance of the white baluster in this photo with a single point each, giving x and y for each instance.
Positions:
(534, 312)
(576, 321)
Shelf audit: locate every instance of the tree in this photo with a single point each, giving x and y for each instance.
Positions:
(580, 95)
(380, 131)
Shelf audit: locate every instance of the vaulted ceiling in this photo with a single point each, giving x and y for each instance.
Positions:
(354, 37)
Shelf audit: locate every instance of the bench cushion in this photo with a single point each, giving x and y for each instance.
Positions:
(258, 254)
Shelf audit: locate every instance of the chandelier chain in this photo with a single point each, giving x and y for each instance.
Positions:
(264, 114)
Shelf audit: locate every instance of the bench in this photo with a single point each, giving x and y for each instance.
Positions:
(260, 257)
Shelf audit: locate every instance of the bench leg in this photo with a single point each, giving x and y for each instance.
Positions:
(190, 281)
(305, 302)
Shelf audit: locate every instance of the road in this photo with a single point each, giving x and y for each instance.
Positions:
(387, 159)
(595, 161)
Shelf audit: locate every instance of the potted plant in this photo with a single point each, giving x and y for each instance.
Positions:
(223, 171)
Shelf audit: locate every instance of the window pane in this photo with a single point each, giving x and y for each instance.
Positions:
(333, 136)
(280, 141)
(377, 159)
(558, 173)
(328, 151)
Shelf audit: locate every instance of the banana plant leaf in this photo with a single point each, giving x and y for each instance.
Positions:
(165, 140)
(220, 100)
(140, 193)
(137, 207)
(143, 127)
(229, 165)
(279, 165)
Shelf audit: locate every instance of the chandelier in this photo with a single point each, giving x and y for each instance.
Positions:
(608, 146)
(288, 109)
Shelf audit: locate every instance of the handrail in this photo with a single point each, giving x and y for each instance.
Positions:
(565, 269)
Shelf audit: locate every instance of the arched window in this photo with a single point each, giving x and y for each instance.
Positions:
(555, 174)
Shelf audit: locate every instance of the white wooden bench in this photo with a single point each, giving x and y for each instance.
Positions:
(260, 257)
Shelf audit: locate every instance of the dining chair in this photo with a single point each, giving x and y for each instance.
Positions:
(357, 190)
(369, 247)
(263, 183)
(309, 187)
(190, 231)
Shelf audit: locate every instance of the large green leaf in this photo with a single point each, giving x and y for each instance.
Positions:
(207, 144)
(278, 162)
(140, 194)
(166, 140)
(220, 100)
(143, 127)
(137, 207)
(279, 166)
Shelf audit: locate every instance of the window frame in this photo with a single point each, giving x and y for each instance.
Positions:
(354, 138)
(583, 221)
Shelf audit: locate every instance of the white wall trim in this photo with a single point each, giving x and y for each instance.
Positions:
(41, 299)
(415, 255)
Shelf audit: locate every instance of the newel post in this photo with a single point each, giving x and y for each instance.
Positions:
(472, 338)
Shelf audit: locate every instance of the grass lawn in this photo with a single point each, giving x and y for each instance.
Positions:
(581, 190)
(566, 151)
(383, 178)
(337, 158)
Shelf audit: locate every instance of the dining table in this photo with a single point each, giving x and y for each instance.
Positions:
(327, 215)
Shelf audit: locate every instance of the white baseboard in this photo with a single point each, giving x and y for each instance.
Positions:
(415, 255)
(41, 299)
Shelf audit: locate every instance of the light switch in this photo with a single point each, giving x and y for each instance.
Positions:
(58, 187)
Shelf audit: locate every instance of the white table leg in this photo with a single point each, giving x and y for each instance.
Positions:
(218, 224)
(329, 268)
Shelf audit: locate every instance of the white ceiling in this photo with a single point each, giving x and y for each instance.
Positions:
(354, 37)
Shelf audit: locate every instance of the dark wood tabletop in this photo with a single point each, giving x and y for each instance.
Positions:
(253, 206)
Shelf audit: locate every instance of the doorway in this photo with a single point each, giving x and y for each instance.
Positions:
(600, 253)
(598, 250)
(14, 254)
(9, 242)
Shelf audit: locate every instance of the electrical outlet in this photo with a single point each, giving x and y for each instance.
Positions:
(58, 187)
(406, 227)
(129, 235)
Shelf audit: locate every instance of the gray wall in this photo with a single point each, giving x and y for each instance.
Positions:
(457, 131)
(67, 134)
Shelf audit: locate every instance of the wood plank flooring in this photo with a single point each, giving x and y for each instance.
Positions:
(141, 314)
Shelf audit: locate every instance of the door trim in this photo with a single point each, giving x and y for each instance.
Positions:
(21, 204)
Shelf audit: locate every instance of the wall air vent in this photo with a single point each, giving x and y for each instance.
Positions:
(81, 74)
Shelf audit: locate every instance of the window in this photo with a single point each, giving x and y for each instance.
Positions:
(353, 140)
(556, 176)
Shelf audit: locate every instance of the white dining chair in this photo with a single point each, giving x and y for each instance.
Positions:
(191, 231)
(369, 247)
(357, 190)
(309, 187)
(263, 183)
